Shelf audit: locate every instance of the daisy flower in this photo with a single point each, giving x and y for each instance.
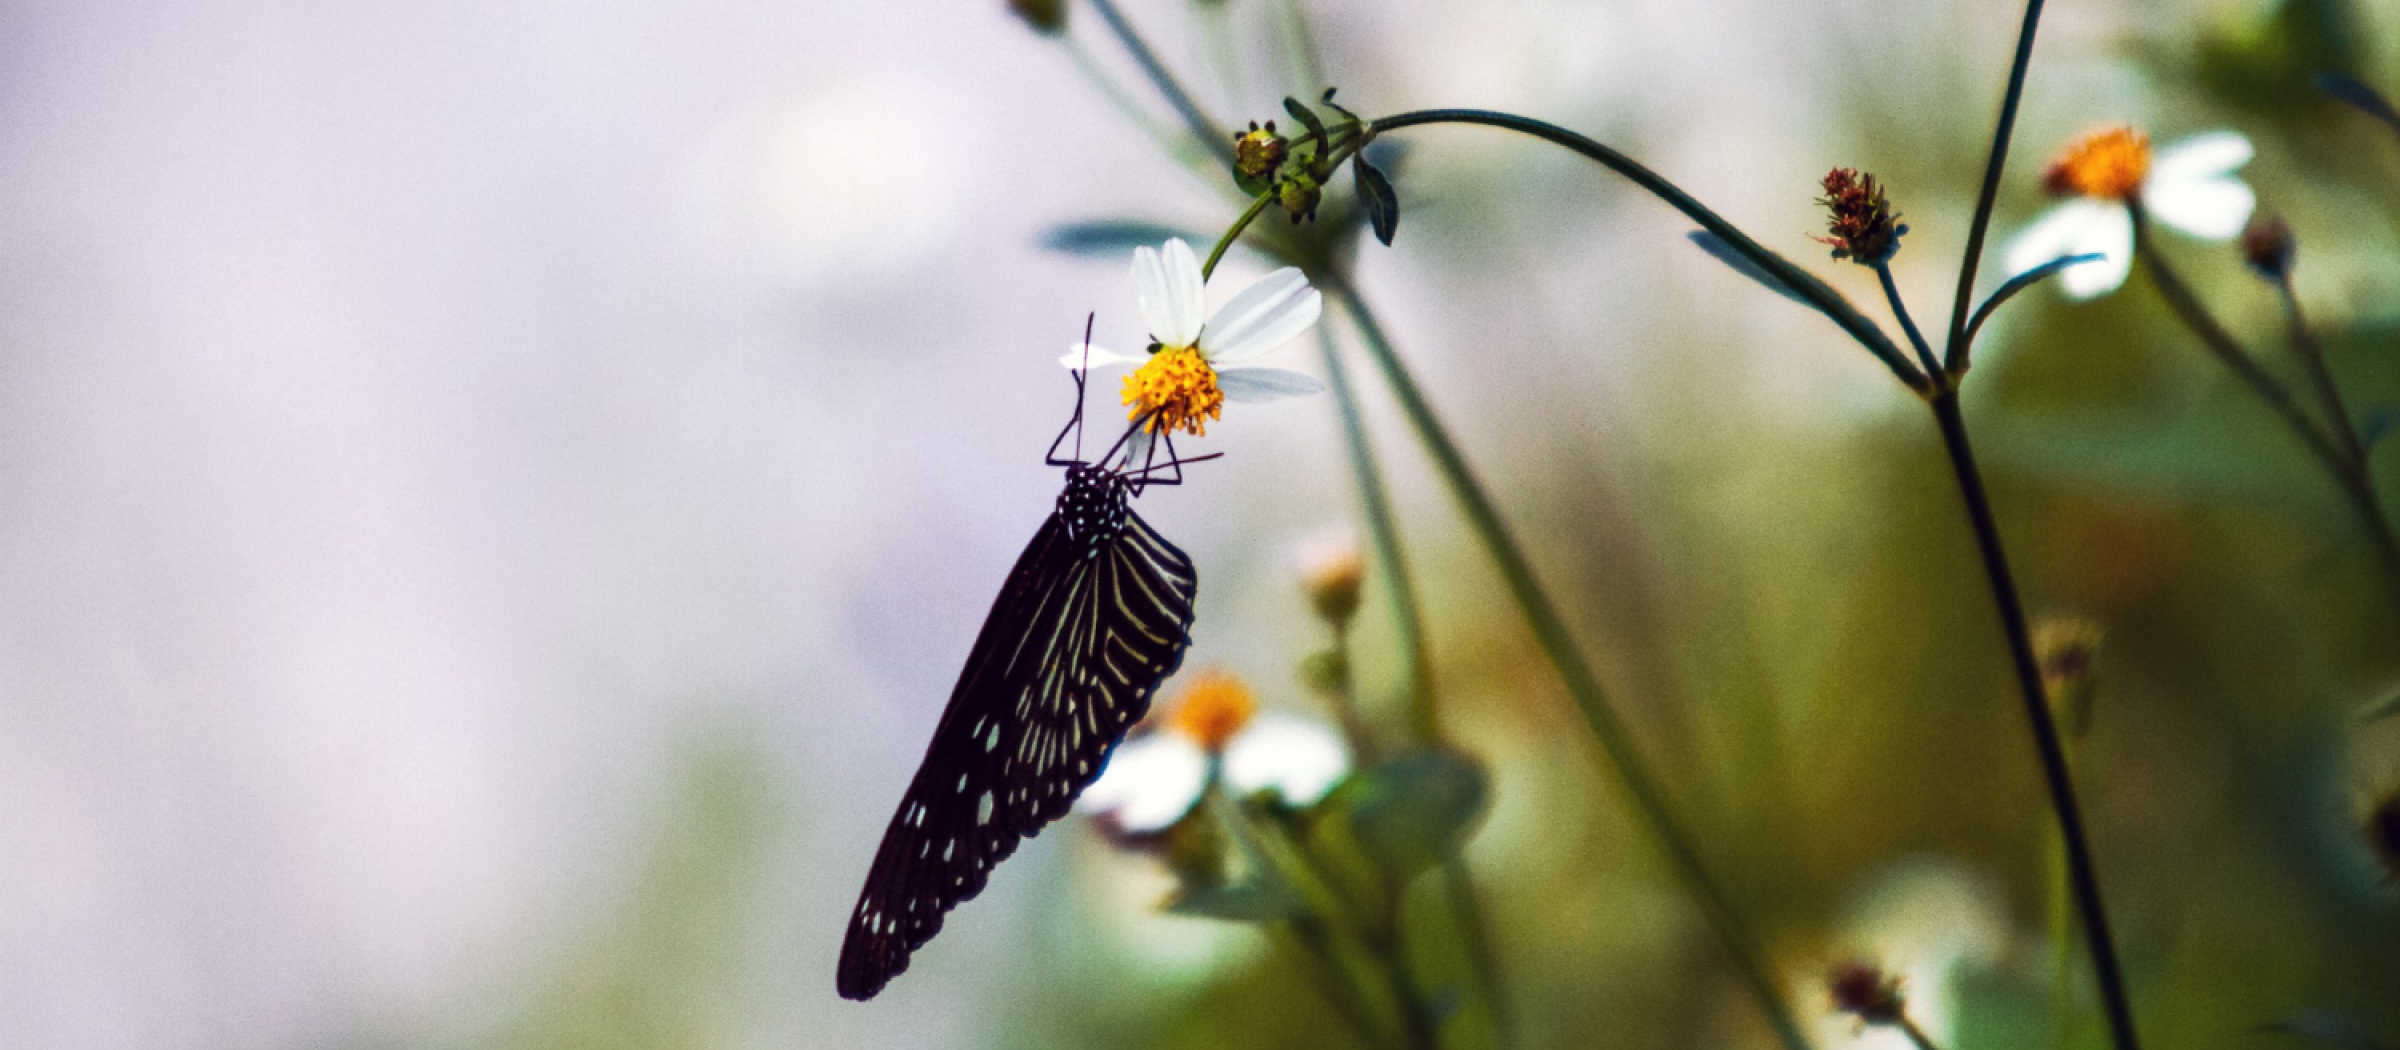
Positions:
(1196, 361)
(1156, 778)
(2190, 186)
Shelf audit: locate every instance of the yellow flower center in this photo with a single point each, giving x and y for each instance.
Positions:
(1211, 709)
(2109, 164)
(1177, 389)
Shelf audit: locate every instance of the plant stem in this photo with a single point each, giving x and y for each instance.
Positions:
(2081, 873)
(2312, 360)
(1996, 162)
(1800, 281)
(1234, 232)
(1891, 294)
(1550, 631)
(1916, 1035)
(1391, 561)
(1106, 87)
(2344, 457)
(1194, 120)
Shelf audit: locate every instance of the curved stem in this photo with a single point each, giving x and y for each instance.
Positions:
(1550, 631)
(1995, 163)
(1194, 120)
(1891, 294)
(2312, 359)
(2081, 873)
(1234, 232)
(2342, 456)
(1801, 282)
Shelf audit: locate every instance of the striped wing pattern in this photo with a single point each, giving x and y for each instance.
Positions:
(1081, 636)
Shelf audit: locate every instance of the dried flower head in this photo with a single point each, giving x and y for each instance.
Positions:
(1213, 707)
(1864, 991)
(1258, 152)
(2067, 648)
(2268, 245)
(1860, 225)
(2108, 164)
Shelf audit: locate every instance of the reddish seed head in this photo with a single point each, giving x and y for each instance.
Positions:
(1863, 990)
(1860, 223)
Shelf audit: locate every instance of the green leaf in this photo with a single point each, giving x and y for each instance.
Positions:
(1725, 253)
(2326, 1026)
(1414, 811)
(1383, 206)
(2355, 92)
(1257, 900)
(1109, 237)
(2382, 709)
(1308, 119)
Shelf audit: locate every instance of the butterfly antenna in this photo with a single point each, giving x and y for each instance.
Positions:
(1080, 375)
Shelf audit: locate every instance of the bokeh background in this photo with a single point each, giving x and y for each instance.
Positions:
(493, 497)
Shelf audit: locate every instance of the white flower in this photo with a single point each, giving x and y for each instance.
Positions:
(1199, 363)
(2190, 186)
(1156, 778)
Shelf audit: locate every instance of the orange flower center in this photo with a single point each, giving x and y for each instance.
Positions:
(2109, 164)
(1211, 709)
(1177, 389)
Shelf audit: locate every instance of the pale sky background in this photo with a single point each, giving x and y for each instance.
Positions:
(421, 421)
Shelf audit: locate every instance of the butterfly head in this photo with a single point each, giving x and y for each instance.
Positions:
(1093, 505)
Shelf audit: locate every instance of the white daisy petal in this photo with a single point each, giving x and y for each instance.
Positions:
(1186, 296)
(1150, 783)
(1150, 290)
(2212, 209)
(2052, 235)
(2110, 235)
(1268, 314)
(2201, 156)
(1296, 758)
(1253, 385)
(1101, 357)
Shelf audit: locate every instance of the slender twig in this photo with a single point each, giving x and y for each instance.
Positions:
(1106, 86)
(1802, 283)
(1891, 294)
(2312, 361)
(1196, 121)
(2080, 870)
(1955, 357)
(2341, 452)
(1917, 1035)
(1550, 631)
(1234, 232)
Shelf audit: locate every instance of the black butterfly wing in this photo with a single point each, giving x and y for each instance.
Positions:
(1080, 637)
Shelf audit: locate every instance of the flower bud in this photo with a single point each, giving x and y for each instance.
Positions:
(2066, 648)
(1331, 572)
(1860, 224)
(1258, 152)
(1863, 990)
(2268, 245)
(1299, 193)
(1048, 17)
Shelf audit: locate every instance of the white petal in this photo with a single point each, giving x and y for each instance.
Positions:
(2110, 235)
(2049, 235)
(1268, 314)
(1100, 357)
(1150, 290)
(2201, 156)
(1150, 783)
(1296, 758)
(2212, 209)
(1253, 385)
(1180, 303)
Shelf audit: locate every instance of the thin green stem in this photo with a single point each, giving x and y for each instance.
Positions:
(1194, 120)
(1801, 282)
(1106, 86)
(1550, 631)
(1299, 46)
(1391, 560)
(2344, 460)
(1333, 980)
(1995, 163)
(1891, 294)
(2312, 361)
(2081, 871)
(2061, 907)
(1233, 233)
(1916, 1035)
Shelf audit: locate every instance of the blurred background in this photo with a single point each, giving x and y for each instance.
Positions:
(494, 497)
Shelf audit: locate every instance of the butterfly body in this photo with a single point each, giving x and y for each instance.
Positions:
(1096, 613)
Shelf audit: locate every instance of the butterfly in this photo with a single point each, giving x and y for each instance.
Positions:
(1096, 613)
